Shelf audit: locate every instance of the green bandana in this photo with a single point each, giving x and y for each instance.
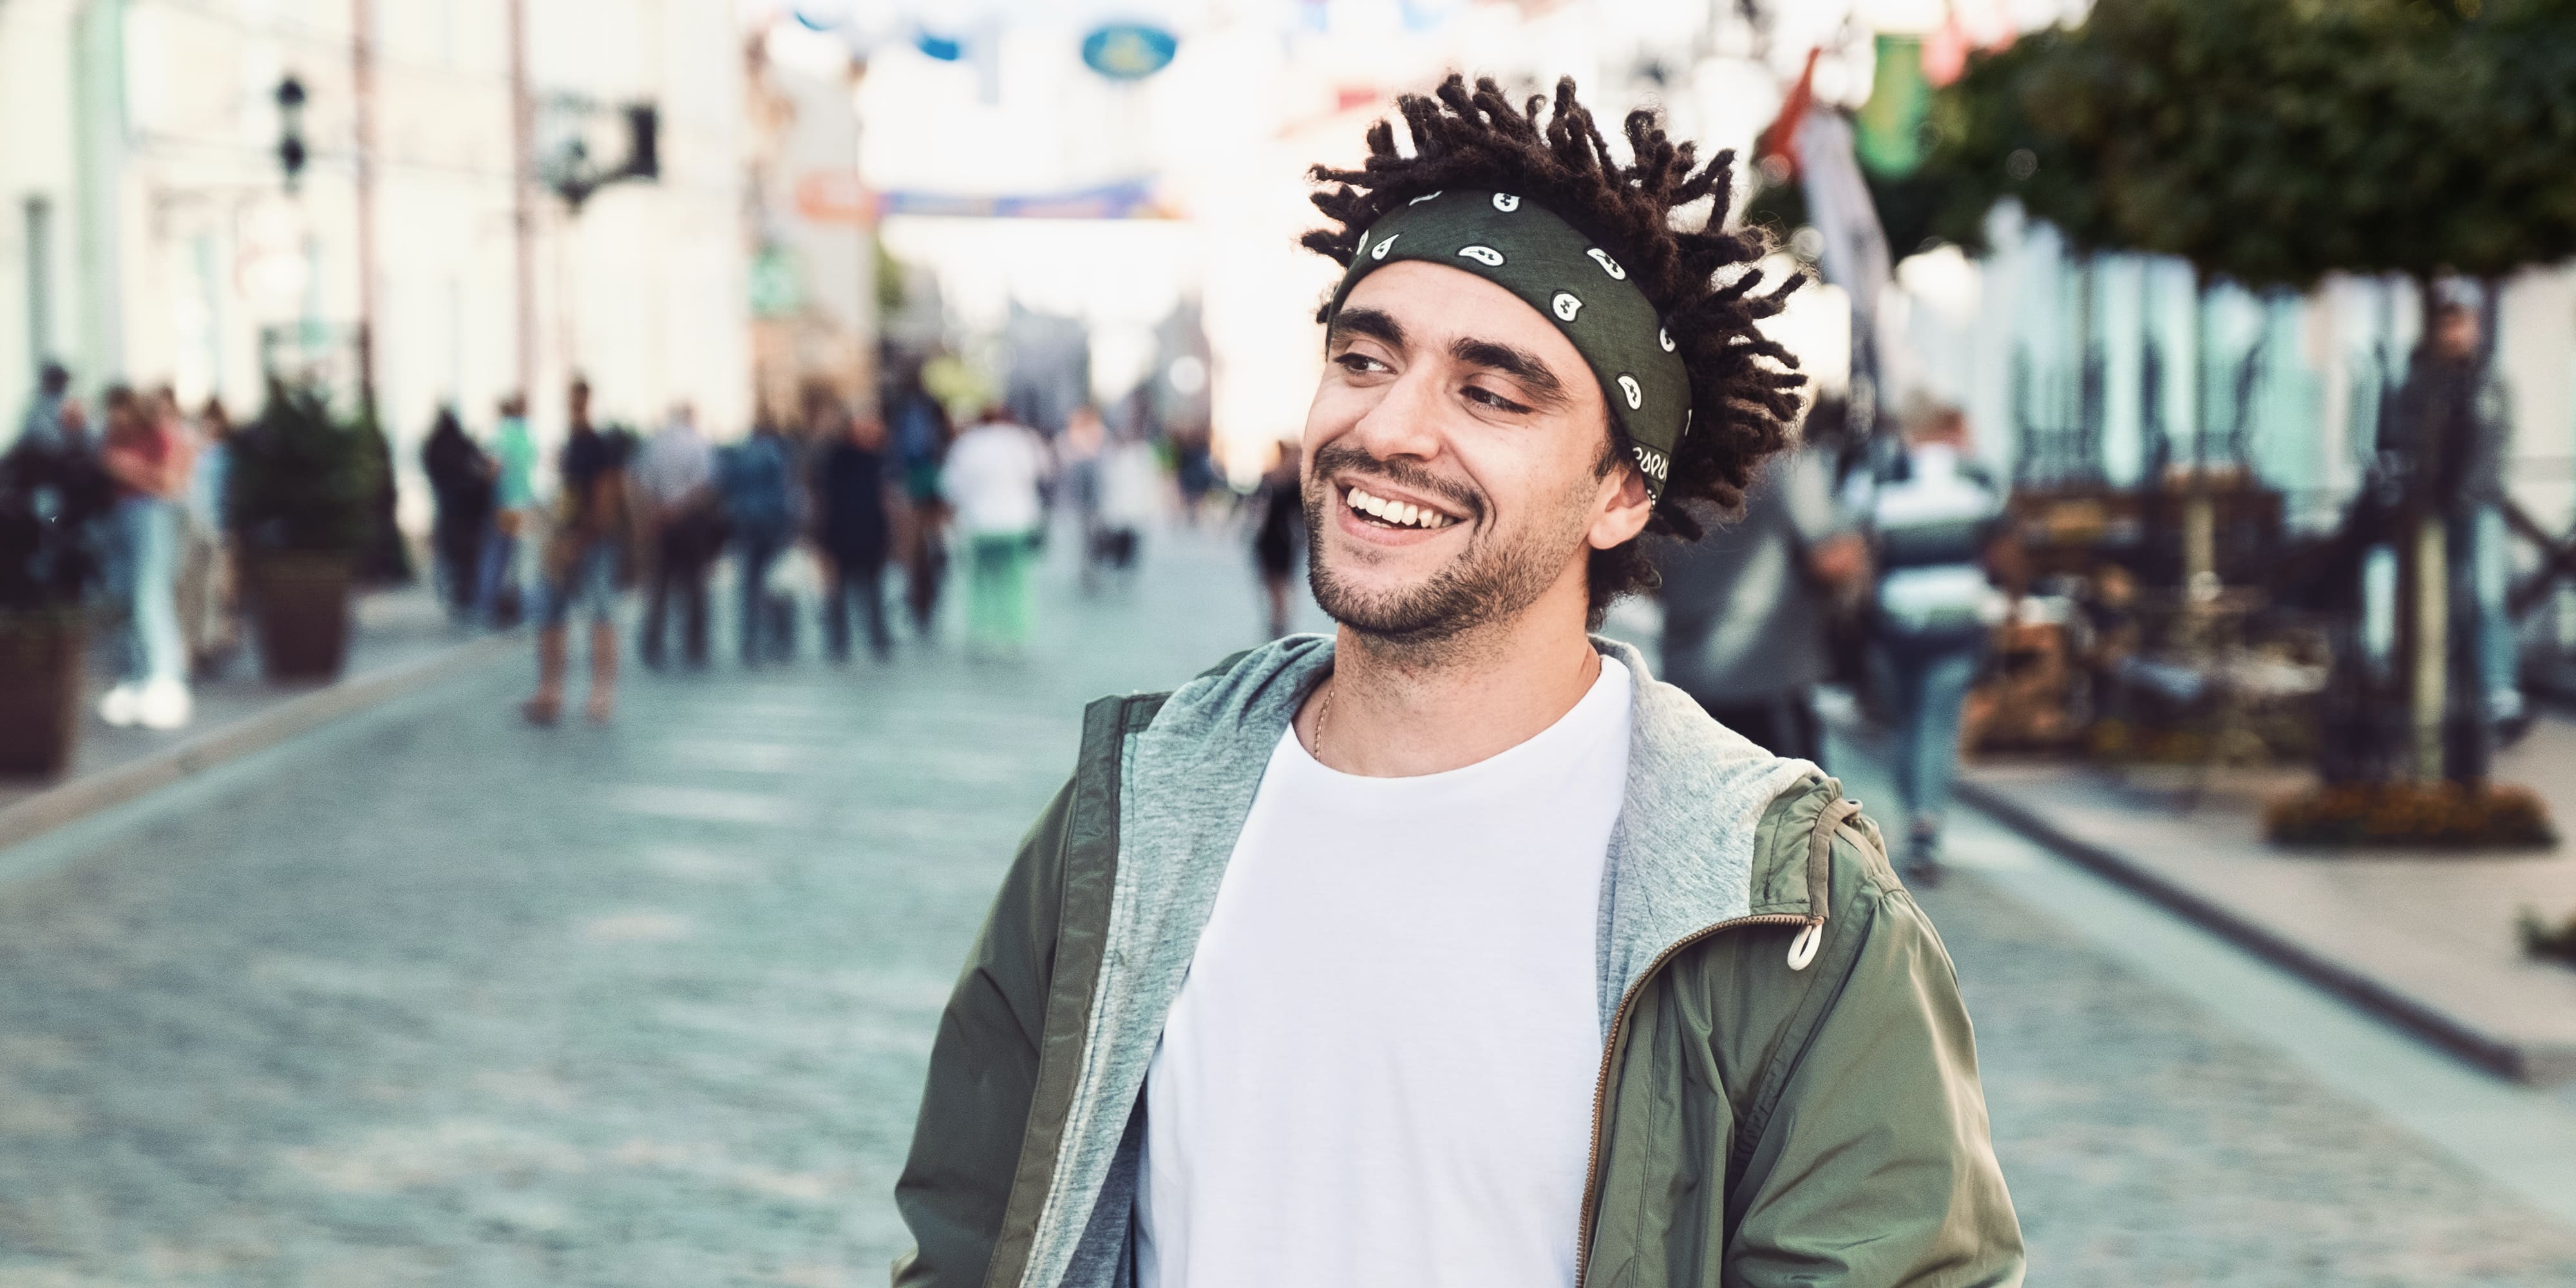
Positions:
(1529, 251)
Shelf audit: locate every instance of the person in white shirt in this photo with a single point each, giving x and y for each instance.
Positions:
(676, 478)
(1932, 515)
(991, 479)
(1452, 948)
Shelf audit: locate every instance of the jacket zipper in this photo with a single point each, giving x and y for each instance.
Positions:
(1610, 1050)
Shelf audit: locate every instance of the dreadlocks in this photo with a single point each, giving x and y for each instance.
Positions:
(1743, 386)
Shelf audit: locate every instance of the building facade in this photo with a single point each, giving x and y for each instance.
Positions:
(153, 235)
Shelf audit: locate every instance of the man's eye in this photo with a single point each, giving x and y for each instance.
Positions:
(1480, 394)
(1359, 363)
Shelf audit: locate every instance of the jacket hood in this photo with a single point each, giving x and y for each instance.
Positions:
(1683, 857)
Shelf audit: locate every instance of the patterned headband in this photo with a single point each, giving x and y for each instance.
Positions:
(1531, 252)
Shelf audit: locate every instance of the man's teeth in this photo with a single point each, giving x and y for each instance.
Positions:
(1398, 513)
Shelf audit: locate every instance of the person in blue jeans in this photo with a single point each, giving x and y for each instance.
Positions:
(2453, 429)
(148, 453)
(582, 561)
(1932, 516)
(757, 480)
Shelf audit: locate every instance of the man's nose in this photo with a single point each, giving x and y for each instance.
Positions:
(1406, 422)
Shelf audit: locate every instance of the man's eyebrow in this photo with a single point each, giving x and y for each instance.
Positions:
(1376, 324)
(1520, 364)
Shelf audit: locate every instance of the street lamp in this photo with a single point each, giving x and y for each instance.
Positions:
(570, 172)
(290, 129)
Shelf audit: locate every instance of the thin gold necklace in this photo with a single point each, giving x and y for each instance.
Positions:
(1322, 714)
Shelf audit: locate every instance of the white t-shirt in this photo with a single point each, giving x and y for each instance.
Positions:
(1380, 1069)
(992, 475)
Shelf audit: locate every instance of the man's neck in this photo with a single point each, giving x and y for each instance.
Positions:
(1396, 711)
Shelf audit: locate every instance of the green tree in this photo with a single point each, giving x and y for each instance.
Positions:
(1989, 144)
(2269, 142)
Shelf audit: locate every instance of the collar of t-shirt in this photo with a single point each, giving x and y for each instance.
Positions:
(1596, 724)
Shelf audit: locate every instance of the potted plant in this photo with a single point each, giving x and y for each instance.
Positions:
(52, 500)
(302, 485)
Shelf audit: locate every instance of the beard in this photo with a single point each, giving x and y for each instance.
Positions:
(1497, 576)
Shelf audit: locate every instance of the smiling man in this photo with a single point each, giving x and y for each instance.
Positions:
(1453, 948)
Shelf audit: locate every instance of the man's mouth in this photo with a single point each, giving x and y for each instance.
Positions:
(1385, 513)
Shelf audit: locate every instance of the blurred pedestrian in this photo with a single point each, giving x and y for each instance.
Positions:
(581, 565)
(45, 424)
(72, 429)
(1194, 469)
(209, 590)
(850, 496)
(1132, 499)
(461, 488)
(921, 446)
(148, 454)
(514, 498)
(756, 478)
(1274, 538)
(1746, 607)
(2453, 431)
(1079, 453)
(992, 478)
(1933, 518)
(386, 558)
(685, 527)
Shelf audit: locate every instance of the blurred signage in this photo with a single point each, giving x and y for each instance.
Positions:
(834, 197)
(1129, 50)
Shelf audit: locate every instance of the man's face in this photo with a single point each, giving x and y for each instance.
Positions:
(1452, 458)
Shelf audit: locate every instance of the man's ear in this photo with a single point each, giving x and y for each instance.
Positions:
(1624, 508)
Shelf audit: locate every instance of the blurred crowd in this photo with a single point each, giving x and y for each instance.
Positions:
(818, 518)
(163, 539)
(1890, 564)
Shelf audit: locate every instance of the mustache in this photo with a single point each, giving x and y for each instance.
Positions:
(1350, 458)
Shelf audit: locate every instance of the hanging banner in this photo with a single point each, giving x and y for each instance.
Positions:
(838, 197)
(1128, 199)
(1838, 204)
(1888, 129)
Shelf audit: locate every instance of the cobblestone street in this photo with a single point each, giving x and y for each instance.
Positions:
(436, 998)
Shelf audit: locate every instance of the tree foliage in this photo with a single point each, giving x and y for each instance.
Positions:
(2273, 141)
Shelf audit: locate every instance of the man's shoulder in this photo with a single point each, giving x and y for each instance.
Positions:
(1244, 689)
(1224, 666)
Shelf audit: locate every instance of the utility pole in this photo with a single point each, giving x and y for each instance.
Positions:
(863, 321)
(362, 69)
(523, 182)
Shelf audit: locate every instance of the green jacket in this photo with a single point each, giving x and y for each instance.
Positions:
(1788, 1089)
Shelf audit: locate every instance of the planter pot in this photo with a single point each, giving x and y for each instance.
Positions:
(301, 608)
(41, 671)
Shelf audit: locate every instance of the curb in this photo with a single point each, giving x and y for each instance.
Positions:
(2495, 1055)
(82, 797)
(2475, 1046)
